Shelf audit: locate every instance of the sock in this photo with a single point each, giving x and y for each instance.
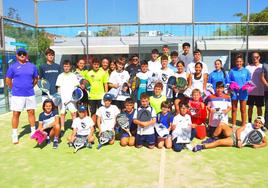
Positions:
(48, 138)
(56, 138)
(33, 129)
(15, 131)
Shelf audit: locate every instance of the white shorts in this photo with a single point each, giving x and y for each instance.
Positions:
(71, 107)
(18, 103)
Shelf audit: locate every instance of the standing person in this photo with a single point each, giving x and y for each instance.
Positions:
(66, 83)
(165, 51)
(134, 67)
(240, 75)
(174, 59)
(80, 70)
(255, 97)
(154, 65)
(50, 71)
(98, 80)
(105, 62)
(218, 75)
(21, 77)
(197, 59)
(112, 67)
(186, 57)
(264, 78)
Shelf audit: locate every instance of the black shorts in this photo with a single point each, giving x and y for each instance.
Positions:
(255, 100)
(94, 105)
(48, 130)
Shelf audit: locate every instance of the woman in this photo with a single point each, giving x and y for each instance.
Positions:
(198, 80)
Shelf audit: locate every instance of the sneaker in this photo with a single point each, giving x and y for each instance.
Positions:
(208, 140)
(15, 139)
(48, 141)
(197, 148)
(189, 147)
(55, 144)
(32, 133)
(88, 145)
(70, 144)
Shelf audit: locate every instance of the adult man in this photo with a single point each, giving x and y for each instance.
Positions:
(186, 57)
(50, 72)
(197, 58)
(134, 67)
(21, 77)
(264, 78)
(256, 97)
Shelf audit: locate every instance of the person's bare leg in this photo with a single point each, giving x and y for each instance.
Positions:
(243, 107)
(15, 119)
(31, 117)
(234, 111)
(62, 121)
(259, 111)
(250, 111)
(221, 142)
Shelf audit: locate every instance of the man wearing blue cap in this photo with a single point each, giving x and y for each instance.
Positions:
(21, 77)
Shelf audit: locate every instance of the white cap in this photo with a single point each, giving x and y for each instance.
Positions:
(260, 118)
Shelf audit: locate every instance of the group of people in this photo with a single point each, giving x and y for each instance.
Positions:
(177, 110)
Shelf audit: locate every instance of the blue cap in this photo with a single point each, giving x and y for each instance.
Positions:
(21, 50)
(82, 108)
(108, 96)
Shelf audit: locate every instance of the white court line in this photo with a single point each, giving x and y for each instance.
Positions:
(161, 182)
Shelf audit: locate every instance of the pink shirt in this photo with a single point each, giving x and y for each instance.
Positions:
(255, 72)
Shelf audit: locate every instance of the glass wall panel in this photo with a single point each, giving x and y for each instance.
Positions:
(258, 11)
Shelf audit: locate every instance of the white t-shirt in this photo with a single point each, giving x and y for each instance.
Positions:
(118, 78)
(145, 130)
(249, 127)
(183, 128)
(198, 83)
(108, 117)
(154, 66)
(220, 104)
(191, 68)
(67, 83)
(256, 72)
(83, 126)
(164, 75)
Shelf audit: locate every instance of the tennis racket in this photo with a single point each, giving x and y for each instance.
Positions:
(253, 137)
(79, 142)
(123, 121)
(76, 95)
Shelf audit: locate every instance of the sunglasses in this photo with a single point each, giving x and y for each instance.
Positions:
(22, 53)
(135, 59)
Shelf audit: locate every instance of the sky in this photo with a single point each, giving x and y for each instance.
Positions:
(123, 11)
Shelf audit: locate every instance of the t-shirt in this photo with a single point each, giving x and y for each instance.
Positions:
(80, 74)
(108, 117)
(173, 67)
(47, 119)
(119, 78)
(50, 72)
(265, 73)
(22, 76)
(154, 66)
(217, 76)
(155, 102)
(133, 69)
(248, 128)
(83, 126)
(255, 72)
(145, 130)
(191, 68)
(186, 58)
(164, 75)
(97, 79)
(240, 76)
(218, 103)
(198, 83)
(67, 82)
(183, 128)
(143, 76)
(165, 119)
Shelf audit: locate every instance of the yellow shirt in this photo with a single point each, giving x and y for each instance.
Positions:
(156, 102)
(97, 79)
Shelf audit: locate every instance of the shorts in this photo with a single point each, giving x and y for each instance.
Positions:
(179, 96)
(94, 105)
(44, 97)
(71, 106)
(148, 139)
(255, 100)
(240, 95)
(18, 103)
(47, 130)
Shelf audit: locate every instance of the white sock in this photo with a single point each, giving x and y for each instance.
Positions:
(15, 131)
(33, 129)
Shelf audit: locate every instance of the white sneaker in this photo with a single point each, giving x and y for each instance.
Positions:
(32, 133)
(189, 147)
(15, 139)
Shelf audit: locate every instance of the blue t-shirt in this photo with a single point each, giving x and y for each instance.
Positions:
(133, 126)
(218, 76)
(240, 76)
(22, 76)
(50, 73)
(172, 67)
(165, 119)
(47, 118)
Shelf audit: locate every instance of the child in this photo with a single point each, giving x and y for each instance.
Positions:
(182, 130)
(219, 105)
(157, 98)
(83, 126)
(174, 59)
(49, 122)
(166, 118)
(154, 65)
(198, 80)
(145, 131)
(106, 116)
(126, 139)
(198, 114)
(66, 83)
(236, 139)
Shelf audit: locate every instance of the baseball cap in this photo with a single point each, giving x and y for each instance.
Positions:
(82, 108)
(21, 50)
(260, 118)
(108, 96)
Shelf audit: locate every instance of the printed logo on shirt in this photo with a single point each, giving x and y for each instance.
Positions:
(164, 77)
(83, 125)
(18, 67)
(108, 114)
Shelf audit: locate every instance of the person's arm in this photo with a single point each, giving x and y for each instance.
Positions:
(9, 82)
(73, 134)
(57, 121)
(99, 124)
(264, 81)
(226, 111)
(262, 144)
(35, 80)
(106, 88)
(238, 134)
(190, 80)
(138, 122)
(205, 77)
(40, 125)
(91, 132)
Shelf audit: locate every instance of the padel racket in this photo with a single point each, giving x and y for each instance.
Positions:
(76, 95)
(181, 83)
(171, 82)
(253, 137)
(79, 142)
(39, 136)
(161, 130)
(144, 115)
(105, 137)
(44, 86)
(123, 121)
